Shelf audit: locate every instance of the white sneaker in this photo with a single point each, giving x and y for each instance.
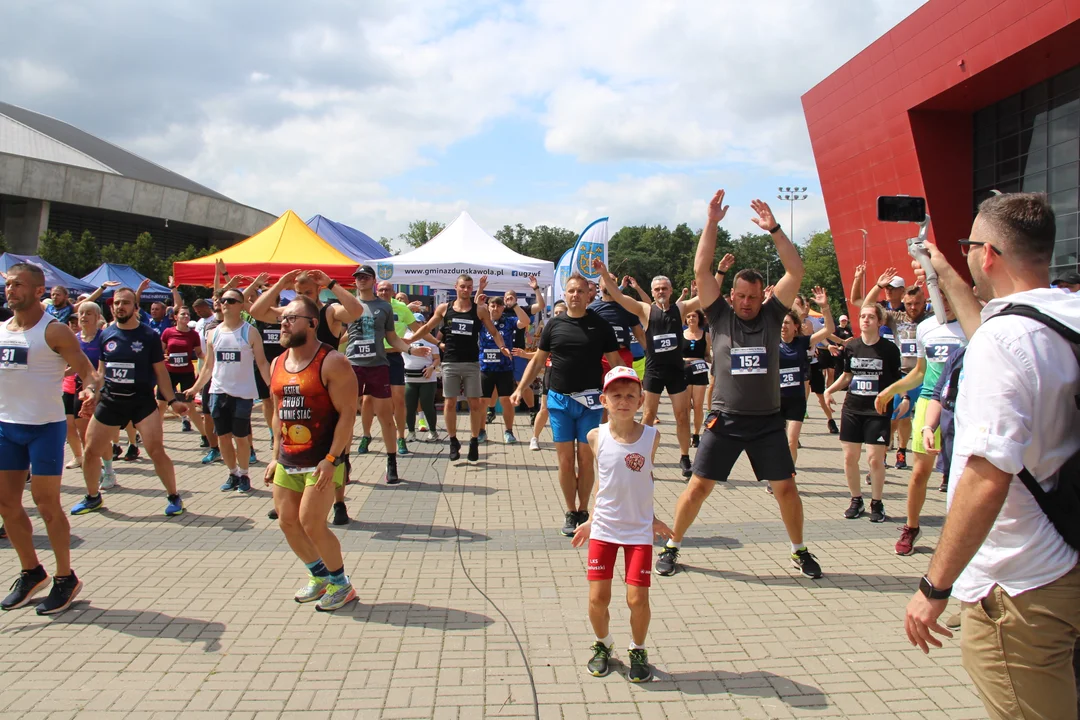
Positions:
(411, 437)
(433, 436)
(534, 444)
(108, 479)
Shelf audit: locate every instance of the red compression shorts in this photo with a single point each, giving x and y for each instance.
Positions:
(636, 558)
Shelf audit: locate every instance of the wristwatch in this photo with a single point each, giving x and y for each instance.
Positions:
(335, 461)
(932, 593)
(331, 285)
(775, 229)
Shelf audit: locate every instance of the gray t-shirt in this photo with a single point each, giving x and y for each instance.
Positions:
(746, 358)
(366, 335)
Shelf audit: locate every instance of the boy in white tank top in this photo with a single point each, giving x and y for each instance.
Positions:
(622, 517)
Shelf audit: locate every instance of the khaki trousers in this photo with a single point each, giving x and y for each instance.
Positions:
(1019, 650)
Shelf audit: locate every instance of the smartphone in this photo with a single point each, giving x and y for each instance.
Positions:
(901, 208)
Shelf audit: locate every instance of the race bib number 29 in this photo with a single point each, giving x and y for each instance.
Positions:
(749, 361)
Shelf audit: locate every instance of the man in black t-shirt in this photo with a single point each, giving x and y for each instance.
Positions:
(871, 364)
(575, 341)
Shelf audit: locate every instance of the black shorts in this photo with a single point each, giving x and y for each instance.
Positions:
(671, 378)
(119, 411)
(397, 368)
(185, 381)
(793, 407)
(502, 381)
(727, 436)
(206, 399)
(260, 387)
(865, 429)
(232, 415)
(72, 404)
(693, 377)
(825, 359)
(817, 379)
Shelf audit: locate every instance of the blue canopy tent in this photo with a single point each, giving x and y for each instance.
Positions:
(129, 277)
(357, 245)
(53, 275)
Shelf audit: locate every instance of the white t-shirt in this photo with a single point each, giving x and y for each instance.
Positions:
(1015, 408)
(415, 365)
(624, 496)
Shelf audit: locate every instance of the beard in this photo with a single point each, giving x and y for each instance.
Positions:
(121, 316)
(293, 339)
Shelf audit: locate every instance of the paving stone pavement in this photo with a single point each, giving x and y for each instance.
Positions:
(193, 617)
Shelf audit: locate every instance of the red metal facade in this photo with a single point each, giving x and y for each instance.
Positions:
(897, 118)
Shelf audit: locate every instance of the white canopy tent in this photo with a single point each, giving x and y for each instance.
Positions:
(464, 248)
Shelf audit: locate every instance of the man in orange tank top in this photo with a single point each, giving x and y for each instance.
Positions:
(314, 392)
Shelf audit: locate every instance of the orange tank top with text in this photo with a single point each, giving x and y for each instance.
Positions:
(308, 417)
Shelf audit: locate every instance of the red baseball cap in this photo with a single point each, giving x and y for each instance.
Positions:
(620, 372)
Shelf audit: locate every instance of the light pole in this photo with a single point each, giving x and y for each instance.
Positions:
(791, 194)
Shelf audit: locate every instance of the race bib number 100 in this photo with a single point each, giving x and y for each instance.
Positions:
(749, 361)
(865, 385)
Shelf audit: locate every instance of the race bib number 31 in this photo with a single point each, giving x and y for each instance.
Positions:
(749, 361)
(14, 357)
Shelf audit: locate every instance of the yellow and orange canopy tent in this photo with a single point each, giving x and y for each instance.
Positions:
(287, 244)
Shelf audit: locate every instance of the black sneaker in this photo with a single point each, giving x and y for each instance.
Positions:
(640, 671)
(391, 470)
(455, 449)
(855, 509)
(667, 561)
(877, 511)
(833, 430)
(117, 451)
(185, 425)
(695, 440)
(272, 514)
(944, 486)
(24, 587)
(582, 517)
(806, 563)
(132, 453)
(341, 514)
(474, 449)
(490, 415)
(3, 532)
(203, 443)
(684, 463)
(64, 591)
(570, 525)
(901, 460)
(600, 664)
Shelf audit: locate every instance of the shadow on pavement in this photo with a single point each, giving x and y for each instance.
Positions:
(137, 623)
(41, 542)
(402, 532)
(418, 486)
(229, 523)
(403, 614)
(832, 580)
(765, 685)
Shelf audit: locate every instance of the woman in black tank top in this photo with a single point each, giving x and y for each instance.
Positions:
(697, 355)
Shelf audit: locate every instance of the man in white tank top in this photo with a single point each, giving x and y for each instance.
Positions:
(623, 517)
(231, 348)
(35, 349)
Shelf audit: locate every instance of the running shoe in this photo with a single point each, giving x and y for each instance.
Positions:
(474, 449)
(3, 532)
(806, 563)
(421, 425)
(600, 663)
(411, 437)
(667, 560)
(108, 480)
(684, 464)
(231, 484)
(213, 455)
(944, 486)
(64, 591)
(953, 621)
(391, 470)
(362, 446)
(855, 509)
(432, 436)
(132, 453)
(88, 505)
(272, 514)
(73, 463)
(877, 511)
(244, 484)
(336, 596)
(491, 415)
(482, 437)
(117, 451)
(24, 588)
(833, 430)
(251, 458)
(341, 514)
(174, 506)
(570, 525)
(203, 442)
(695, 440)
(906, 544)
(185, 425)
(901, 460)
(314, 590)
(508, 438)
(534, 443)
(455, 449)
(640, 671)
(402, 448)
(138, 439)
(582, 517)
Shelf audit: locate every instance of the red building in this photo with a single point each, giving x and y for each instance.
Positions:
(959, 99)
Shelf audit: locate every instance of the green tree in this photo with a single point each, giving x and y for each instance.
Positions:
(420, 231)
(542, 242)
(190, 292)
(75, 257)
(819, 259)
(387, 245)
(644, 252)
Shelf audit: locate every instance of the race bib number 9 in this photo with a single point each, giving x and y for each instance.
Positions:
(908, 348)
(665, 343)
(461, 326)
(865, 385)
(120, 372)
(749, 361)
(790, 377)
(14, 357)
(227, 356)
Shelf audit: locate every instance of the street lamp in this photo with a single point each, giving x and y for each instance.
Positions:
(791, 195)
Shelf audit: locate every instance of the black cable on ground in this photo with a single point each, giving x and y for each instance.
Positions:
(461, 561)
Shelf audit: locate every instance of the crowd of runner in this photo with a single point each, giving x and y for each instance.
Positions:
(753, 355)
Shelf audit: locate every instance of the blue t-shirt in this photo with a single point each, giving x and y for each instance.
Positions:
(794, 366)
(620, 319)
(158, 326)
(129, 357)
(491, 358)
(61, 314)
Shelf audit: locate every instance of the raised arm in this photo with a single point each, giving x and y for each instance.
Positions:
(788, 287)
(347, 309)
(858, 285)
(485, 318)
(636, 287)
(433, 322)
(266, 309)
(875, 292)
(607, 280)
(708, 288)
(821, 299)
(93, 297)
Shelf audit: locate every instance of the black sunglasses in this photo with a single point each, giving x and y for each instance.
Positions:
(966, 245)
(230, 300)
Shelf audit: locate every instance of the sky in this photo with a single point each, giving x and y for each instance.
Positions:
(377, 113)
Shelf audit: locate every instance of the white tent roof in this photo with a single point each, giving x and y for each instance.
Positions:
(464, 248)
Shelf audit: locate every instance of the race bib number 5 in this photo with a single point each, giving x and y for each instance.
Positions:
(588, 398)
(749, 361)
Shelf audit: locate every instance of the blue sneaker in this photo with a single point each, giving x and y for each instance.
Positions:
(402, 448)
(231, 484)
(175, 506)
(482, 437)
(87, 505)
(362, 446)
(252, 459)
(213, 456)
(244, 484)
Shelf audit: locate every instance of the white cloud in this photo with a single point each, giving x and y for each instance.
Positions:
(33, 78)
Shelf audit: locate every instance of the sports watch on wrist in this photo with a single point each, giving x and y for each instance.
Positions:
(335, 461)
(932, 593)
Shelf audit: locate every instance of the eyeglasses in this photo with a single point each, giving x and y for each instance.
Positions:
(290, 319)
(230, 301)
(966, 245)
(358, 278)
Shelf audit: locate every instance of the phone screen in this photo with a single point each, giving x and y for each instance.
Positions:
(901, 208)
